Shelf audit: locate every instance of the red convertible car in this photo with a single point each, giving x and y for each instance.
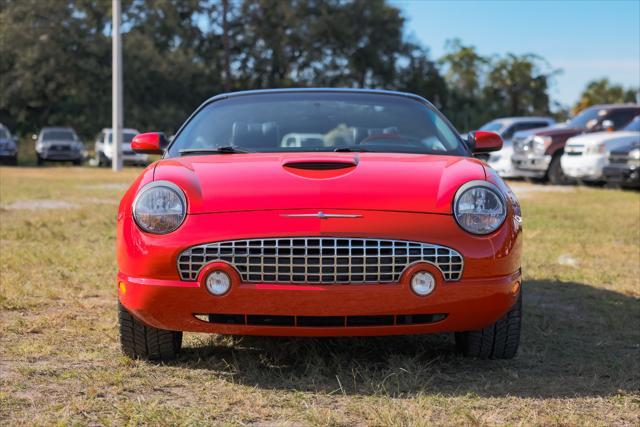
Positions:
(319, 212)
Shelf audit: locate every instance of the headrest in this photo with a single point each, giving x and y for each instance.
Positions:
(255, 135)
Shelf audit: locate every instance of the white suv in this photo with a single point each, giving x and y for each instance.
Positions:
(104, 148)
(586, 155)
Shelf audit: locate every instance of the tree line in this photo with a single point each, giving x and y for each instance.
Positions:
(55, 60)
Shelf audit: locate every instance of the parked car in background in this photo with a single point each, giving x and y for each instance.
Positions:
(8, 147)
(623, 168)
(236, 231)
(537, 154)
(585, 155)
(59, 144)
(506, 127)
(104, 148)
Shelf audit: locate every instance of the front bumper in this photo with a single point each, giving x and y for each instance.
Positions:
(587, 167)
(135, 159)
(62, 155)
(623, 175)
(260, 309)
(152, 290)
(531, 165)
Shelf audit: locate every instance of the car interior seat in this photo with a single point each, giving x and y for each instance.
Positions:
(255, 135)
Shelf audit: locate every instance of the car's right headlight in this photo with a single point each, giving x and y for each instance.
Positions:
(634, 157)
(598, 148)
(160, 207)
(479, 207)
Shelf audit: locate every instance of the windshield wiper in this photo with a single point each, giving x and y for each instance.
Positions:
(227, 149)
(350, 150)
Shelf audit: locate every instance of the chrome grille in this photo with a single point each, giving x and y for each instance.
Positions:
(320, 259)
(574, 150)
(618, 158)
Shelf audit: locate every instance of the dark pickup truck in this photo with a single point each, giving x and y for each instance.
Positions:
(537, 154)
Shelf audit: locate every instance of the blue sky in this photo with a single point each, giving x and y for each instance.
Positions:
(586, 39)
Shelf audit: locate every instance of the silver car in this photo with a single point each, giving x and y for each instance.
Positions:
(60, 144)
(104, 148)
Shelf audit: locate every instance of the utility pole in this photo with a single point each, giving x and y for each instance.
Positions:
(225, 42)
(116, 87)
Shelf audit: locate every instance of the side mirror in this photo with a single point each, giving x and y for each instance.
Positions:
(149, 143)
(482, 141)
(608, 125)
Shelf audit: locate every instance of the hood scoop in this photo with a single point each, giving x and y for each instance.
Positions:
(321, 167)
(321, 164)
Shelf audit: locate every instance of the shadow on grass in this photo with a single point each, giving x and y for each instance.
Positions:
(576, 341)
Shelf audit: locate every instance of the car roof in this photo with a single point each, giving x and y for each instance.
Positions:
(130, 130)
(315, 90)
(614, 106)
(521, 119)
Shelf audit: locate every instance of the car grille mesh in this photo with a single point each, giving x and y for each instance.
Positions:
(320, 259)
(618, 158)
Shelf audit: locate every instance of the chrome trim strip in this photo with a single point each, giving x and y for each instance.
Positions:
(321, 215)
(321, 260)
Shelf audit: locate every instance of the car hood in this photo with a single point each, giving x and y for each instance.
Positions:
(603, 137)
(59, 142)
(325, 181)
(554, 132)
(626, 147)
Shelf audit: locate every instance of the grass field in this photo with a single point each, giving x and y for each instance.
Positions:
(579, 361)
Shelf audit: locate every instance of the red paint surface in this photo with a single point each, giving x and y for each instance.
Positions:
(240, 196)
(487, 141)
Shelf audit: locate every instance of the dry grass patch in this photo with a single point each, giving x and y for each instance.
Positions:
(60, 363)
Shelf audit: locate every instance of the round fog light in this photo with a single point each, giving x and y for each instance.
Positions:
(218, 283)
(423, 283)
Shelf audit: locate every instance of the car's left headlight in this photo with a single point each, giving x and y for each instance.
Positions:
(479, 207)
(540, 144)
(160, 207)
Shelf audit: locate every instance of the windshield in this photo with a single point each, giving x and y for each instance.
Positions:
(64, 135)
(304, 121)
(634, 125)
(582, 120)
(126, 137)
(493, 126)
(4, 134)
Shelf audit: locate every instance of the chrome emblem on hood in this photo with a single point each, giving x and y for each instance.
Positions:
(322, 215)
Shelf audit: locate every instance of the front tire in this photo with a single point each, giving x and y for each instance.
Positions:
(139, 341)
(555, 175)
(497, 341)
